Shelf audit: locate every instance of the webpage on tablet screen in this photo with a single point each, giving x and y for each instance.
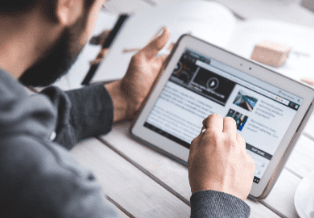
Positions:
(200, 86)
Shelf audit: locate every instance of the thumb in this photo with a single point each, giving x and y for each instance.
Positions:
(152, 49)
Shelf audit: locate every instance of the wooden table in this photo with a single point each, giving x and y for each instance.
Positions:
(141, 182)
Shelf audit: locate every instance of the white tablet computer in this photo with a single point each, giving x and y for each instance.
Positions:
(200, 79)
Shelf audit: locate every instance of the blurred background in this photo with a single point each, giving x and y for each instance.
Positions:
(299, 13)
(308, 4)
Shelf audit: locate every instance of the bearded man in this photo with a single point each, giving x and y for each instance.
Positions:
(39, 41)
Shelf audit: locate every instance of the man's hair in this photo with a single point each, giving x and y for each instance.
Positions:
(11, 6)
(21, 6)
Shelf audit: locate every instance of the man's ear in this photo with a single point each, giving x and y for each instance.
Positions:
(68, 11)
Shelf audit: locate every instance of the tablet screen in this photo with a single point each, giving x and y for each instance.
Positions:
(200, 86)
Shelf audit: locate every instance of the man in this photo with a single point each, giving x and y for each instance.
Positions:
(39, 40)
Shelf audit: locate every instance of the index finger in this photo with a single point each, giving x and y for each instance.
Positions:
(213, 123)
(152, 49)
(230, 126)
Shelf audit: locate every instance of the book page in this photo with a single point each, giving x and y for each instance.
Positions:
(300, 63)
(209, 21)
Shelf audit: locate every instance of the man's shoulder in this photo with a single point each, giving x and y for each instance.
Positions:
(9, 86)
(20, 112)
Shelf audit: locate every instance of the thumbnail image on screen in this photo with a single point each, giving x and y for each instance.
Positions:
(245, 101)
(184, 71)
(238, 117)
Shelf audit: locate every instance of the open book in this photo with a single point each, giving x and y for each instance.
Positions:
(213, 23)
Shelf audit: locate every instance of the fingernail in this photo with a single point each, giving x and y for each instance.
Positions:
(203, 130)
(162, 31)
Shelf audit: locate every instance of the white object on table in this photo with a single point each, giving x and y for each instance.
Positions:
(304, 197)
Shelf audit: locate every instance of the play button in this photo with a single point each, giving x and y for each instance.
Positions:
(212, 83)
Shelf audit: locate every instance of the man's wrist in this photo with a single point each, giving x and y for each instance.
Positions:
(121, 105)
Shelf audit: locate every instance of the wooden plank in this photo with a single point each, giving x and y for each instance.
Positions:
(282, 196)
(171, 173)
(126, 185)
(300, 164)
(151, 160)
(119, 212)
(301, 161)
(309, 128)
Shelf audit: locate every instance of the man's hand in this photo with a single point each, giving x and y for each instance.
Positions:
(218, 160)
(130, 93)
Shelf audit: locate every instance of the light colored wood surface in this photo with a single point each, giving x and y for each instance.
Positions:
(309, 129)
(280, 200)
(119, 212)
(173, 174)
(127, 185)
(301, 161)
(128, 155)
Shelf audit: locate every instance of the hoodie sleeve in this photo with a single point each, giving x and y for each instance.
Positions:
(81, 113)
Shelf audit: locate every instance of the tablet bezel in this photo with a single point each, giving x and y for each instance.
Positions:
(247, 66)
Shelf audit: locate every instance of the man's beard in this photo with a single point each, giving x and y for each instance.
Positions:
(58, 60)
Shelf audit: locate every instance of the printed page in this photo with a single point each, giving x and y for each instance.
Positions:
(300, 63)
(209, 21)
